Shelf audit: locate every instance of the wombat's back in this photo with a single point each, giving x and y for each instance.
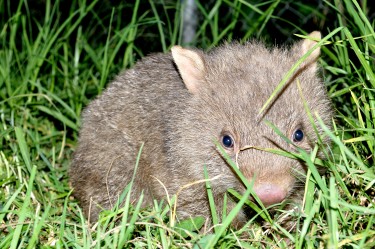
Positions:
(131, 111)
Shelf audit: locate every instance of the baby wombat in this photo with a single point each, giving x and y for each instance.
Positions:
(178, 104)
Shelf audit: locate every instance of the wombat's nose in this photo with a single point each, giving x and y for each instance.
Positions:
(270, 194)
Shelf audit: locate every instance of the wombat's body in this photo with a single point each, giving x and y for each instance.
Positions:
(178, 104)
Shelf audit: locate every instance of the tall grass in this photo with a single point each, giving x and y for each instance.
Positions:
(55, 57)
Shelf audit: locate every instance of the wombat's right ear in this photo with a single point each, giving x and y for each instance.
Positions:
(190, 64)
(307, 44)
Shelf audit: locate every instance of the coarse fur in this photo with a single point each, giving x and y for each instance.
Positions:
(177, 104)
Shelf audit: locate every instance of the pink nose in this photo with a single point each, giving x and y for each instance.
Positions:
(270, 194)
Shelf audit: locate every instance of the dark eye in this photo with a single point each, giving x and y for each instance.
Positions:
(227, 141)
(298, 135)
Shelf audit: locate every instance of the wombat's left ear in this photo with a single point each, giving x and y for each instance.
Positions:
(191, 66)
(304, 46)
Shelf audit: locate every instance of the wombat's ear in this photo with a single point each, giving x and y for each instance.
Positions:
(190, 64)
(304, 46)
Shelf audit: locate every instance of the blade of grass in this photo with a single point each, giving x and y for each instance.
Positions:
(59, 116)
(159, 24)
(24, 210)
(39, 223)
(20, 135)
(211, 201)
(358, 52)
(128, 56)
(126, 231)
(232, 214)
(332, 215)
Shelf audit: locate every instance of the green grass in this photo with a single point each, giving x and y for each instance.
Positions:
(55, 57)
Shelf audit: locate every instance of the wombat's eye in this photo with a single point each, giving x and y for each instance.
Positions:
(298, 135)
(227, 141)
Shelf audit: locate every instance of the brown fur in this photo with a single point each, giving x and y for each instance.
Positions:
(177, 106)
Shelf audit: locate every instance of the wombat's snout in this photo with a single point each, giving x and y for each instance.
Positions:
(270, 193)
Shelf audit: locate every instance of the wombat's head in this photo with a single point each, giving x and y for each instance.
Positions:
(228, 87)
